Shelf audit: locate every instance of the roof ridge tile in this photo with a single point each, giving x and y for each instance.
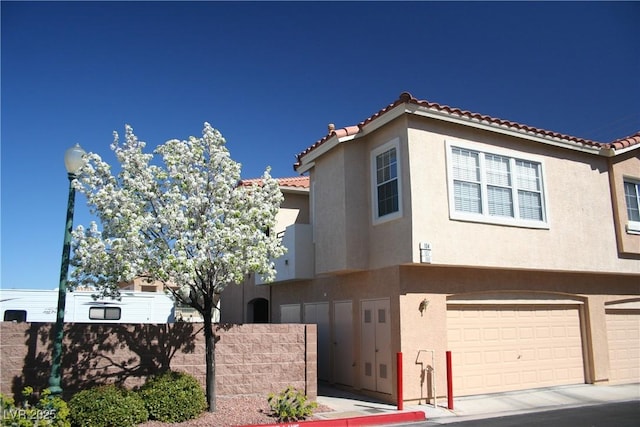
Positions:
(625, 142)
(406, 97)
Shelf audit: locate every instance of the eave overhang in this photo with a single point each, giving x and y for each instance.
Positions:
(406, 104)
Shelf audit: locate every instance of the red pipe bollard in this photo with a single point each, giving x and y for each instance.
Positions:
(449, 382)
(399, 382)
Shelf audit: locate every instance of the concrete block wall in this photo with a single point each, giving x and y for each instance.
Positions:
(251, 359)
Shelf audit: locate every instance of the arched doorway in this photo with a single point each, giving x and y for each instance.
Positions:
(258, 311)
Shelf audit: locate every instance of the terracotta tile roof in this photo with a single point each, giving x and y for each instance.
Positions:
(628, 141)
(295, 181)
(407, 98)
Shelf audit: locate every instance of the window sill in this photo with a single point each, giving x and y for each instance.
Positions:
(633, 227)
(386, 218)
(510, 222)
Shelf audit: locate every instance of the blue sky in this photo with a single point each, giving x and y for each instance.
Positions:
(271, 76)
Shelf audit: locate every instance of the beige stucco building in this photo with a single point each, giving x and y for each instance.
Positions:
(427, 229)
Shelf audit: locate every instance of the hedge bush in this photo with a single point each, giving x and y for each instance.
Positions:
(107, 406)
(47, 411)
(173, 397)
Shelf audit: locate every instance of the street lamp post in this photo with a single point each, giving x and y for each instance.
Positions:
(73, 161)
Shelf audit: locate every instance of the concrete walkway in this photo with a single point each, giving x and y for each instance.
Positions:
(350, 405)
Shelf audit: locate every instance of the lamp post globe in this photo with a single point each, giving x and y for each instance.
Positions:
(74, 159)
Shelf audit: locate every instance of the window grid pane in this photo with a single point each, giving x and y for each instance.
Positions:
(386, 165)
(632, 197)
(387, 181)
(528, 175)
(466, 165)
(467, 197)
(388, 198)
(500, 201)
(498, 172)
(530, 205)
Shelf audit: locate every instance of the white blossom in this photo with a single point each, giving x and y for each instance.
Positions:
(186, 222)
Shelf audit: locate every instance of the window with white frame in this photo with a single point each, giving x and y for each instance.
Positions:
(495, 187)
(386, 187)
(632, 199)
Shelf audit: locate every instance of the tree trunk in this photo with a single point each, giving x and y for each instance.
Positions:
(210, 349)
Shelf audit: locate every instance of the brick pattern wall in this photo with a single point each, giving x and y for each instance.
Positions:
(251, 359)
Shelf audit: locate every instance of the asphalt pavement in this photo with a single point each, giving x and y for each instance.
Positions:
(617, 414)
(479, 407)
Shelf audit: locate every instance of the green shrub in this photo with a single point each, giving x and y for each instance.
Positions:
(291, 405)
(107, 406)
(48, 411)
(173, 397)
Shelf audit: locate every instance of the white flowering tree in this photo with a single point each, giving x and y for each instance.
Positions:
(185, 222)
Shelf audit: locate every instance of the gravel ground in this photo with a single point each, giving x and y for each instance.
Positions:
(232, 411)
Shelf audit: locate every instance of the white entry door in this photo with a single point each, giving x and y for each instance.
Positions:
(343, 342)
(318, 313)
(376, 345)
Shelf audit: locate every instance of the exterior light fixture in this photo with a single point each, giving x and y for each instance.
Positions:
(74, 159)
(423, 306)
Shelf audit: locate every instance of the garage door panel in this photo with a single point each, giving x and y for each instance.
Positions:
(527, 333)
(575, 353)
(511, 378)
(560, 353)
(623, 332)
(529, 376)
(493, 379)
(473, 358)
(509, 334)
(543, 332)
(521, 347)
(472, 335)
(544, 353)
(528, 353)
(492, 357)
(545, 375)
(474, 381)
(491, 334)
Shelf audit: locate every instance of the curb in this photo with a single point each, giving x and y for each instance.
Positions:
(367, 420)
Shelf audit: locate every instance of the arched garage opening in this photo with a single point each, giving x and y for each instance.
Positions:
(258, 311)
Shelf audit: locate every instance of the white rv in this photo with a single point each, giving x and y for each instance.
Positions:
(22, 305)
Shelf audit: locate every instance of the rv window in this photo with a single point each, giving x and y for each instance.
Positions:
(15, 316)
(104, 313)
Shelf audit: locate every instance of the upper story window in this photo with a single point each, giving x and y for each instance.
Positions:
(386, 187)
(632, 198)
(495, 187)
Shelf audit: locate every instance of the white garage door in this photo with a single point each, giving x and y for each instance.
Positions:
(501, 348)
(623, 333)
